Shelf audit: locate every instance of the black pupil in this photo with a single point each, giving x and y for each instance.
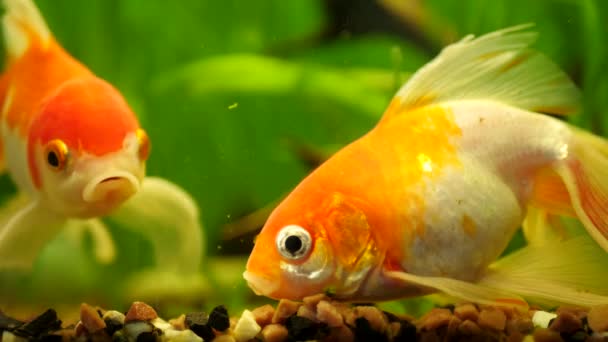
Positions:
(52, 159)
(293, 244)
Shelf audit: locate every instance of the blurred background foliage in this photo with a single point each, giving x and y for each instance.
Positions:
(243, 98)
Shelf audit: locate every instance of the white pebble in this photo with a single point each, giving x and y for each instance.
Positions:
(172, 335)
(8, 336)
(114, 316)
(246, 328)
(541, 319)
(133, 329)
(161, 324)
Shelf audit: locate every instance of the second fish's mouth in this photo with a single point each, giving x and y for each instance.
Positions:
(114, 186)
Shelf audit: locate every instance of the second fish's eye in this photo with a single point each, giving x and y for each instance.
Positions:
(56, 153)
(293, 242)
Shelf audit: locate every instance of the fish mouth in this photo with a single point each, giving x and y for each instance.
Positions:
(261, 286)
(113, 186)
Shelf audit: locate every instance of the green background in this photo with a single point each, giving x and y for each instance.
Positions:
(241, 99)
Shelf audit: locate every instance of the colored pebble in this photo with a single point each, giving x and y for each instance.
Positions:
(90, 319)
(467, 311)
(246, 328)
(365, 332)
(597, 318)
(8, 323)
(541, 319)
(434, 319)
(114, 321)
(566, 322)
(285, 309)
(140, 311)
(46, 322)
(263, 314)
(219, 319)
(187, 335)
(492, 318)
(274, 333)
(301, 328)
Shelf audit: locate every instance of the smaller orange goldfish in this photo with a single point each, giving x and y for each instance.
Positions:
(75, 149)
(429, 199)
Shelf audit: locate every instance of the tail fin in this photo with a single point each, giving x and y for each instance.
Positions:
(585, 176)
(560, 272)
(23, 22)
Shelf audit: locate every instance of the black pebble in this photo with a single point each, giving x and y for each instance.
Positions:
(391, 317)
(218, 319)
(8, 323)
(50, 338)
(364, 332)
(112, 326)
(301, 328)
(147, 336)
(198, 323)
(42, 324)
(407, 332)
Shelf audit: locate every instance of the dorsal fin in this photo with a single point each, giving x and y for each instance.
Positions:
(22, 22)
(497, 66)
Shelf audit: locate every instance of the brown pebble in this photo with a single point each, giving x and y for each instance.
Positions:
(566, 322)
(340, 334)
(140, 311)
(285, 308)
(515, 337)
(434, 319)
(307, 312)
(492, 318)
(546, 335)
(79, 330)
(467, 311)
(274, 333)
(598, 318)
(453, 325)
(90, 318)
(313, 300)
(521, 325)
(579, 312)
(377, 320)
(469, 327)
(328, 314)
(263, 315)
(178, 323)
(429, 336)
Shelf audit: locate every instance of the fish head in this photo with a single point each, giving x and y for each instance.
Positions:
(312, 243)
(86, 151)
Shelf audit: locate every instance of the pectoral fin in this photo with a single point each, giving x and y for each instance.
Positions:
(168, 217)
(462, 290)
(25, 233)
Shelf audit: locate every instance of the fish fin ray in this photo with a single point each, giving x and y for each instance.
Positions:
(541, 226)
(585, 174)
(568, 272)
(23, 22)
(496, 66)
(462, 290)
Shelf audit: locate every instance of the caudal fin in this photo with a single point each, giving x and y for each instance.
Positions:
(584, 174)
(22, 24)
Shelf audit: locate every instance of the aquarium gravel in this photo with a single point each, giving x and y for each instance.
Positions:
(316, 318)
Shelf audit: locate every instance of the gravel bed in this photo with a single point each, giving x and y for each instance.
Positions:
(316, 318)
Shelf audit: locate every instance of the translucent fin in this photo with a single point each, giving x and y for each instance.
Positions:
(25, 234)
(22, 22)
(541, 227)
(103, 245)
(497, 66)
(463, 290)
(168, 217)
(585, 175)
(563, 272)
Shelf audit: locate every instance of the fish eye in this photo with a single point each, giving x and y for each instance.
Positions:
(144, 144)
(56, 153)
(293, 242)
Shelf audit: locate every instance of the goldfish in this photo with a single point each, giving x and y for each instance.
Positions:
(76, 151)
(427, 201)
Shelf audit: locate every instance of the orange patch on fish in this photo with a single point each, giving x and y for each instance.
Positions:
(468, 225)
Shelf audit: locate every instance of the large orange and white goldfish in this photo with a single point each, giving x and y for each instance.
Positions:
(429, 199)
(72, 144)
